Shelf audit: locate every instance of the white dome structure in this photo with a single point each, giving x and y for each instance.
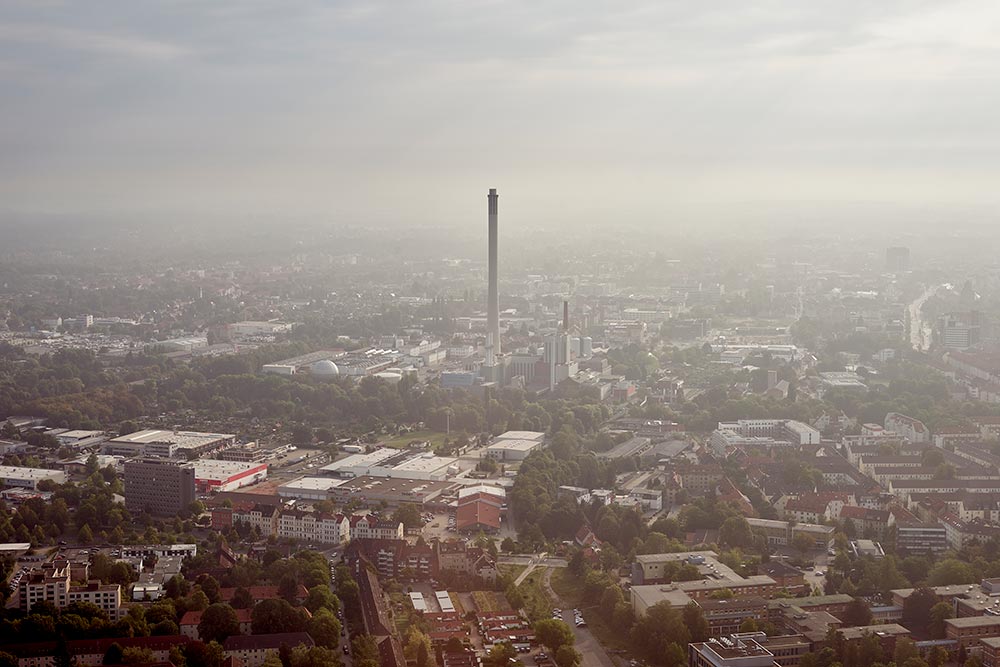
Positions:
(391, 378)
(324, 368)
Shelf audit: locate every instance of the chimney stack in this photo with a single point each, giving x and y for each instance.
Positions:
(566, 316)
(493, 297)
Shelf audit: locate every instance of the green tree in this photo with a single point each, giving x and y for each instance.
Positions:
(939, 613)
(84, 535)
(500, 655)
(857, 613)
(242, 599)
(937, 657)
(218, 622)
(803, 543)
(917, 609)
(113, 656)
(553, 633)
(408, 515)
(364, 651)
(324, 628)
(697, 625)
(314, 656)
(661, 626)
(567, 656)
(321, 597)
(951, 571)
(276, 615)
(418, 648)
(288, 587)
(905, 649)
(748, 625)
(735, 532)
(137, 655)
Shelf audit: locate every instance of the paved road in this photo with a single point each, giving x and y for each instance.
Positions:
(528, 570)
(920, 332)
(593, 653)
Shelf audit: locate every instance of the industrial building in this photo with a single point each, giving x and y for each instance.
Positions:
(28, 478)
(750, 433)
(480, 508)
(319, 363)
(211, 476)
(514, 445)
(373, 491)
(309, 488)
(397, 463)
(168, 444)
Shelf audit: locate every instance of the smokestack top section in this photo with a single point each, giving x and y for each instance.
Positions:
(566, 316)
(493, 296)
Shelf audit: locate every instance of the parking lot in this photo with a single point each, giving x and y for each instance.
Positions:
(440, 525)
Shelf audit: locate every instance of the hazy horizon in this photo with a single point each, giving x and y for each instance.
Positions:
(786, 115)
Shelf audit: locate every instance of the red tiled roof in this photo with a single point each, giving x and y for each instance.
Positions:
(479, 513)
(863, 513)
(194, 617)
(261, 593)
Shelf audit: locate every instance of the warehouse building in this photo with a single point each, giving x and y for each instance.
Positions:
(397, 463)
(212, 476)
(373, 491)
(309, 488)
(168, 444)
(28, 478)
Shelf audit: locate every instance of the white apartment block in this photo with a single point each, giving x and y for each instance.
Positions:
(908, 427)
(314, 527)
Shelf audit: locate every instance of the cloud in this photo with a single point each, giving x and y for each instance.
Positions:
(294, 103)
(108, 43)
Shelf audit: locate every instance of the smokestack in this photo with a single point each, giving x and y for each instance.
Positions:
(493, 297)
(566, 316)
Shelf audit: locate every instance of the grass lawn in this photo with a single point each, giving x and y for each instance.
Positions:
(566, 586)
(570, 589)
(513, 570)
(401, 441)
(537, 602)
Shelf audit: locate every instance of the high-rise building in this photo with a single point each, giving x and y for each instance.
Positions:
(897, 258)
(158, 486)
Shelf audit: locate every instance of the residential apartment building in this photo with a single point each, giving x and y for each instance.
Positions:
(783, 533)
(967, 631)
(908, 427)
(52, 582)
(106, 596)
(314, 527)
(261, 516)
(371, 527)
(725, 616)
(751, 649)
(253, 650)
(699, 480)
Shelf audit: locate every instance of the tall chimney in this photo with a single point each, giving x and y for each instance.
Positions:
(493, 297)
(566, 316)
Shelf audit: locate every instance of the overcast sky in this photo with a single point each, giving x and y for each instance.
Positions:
(376, 111)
